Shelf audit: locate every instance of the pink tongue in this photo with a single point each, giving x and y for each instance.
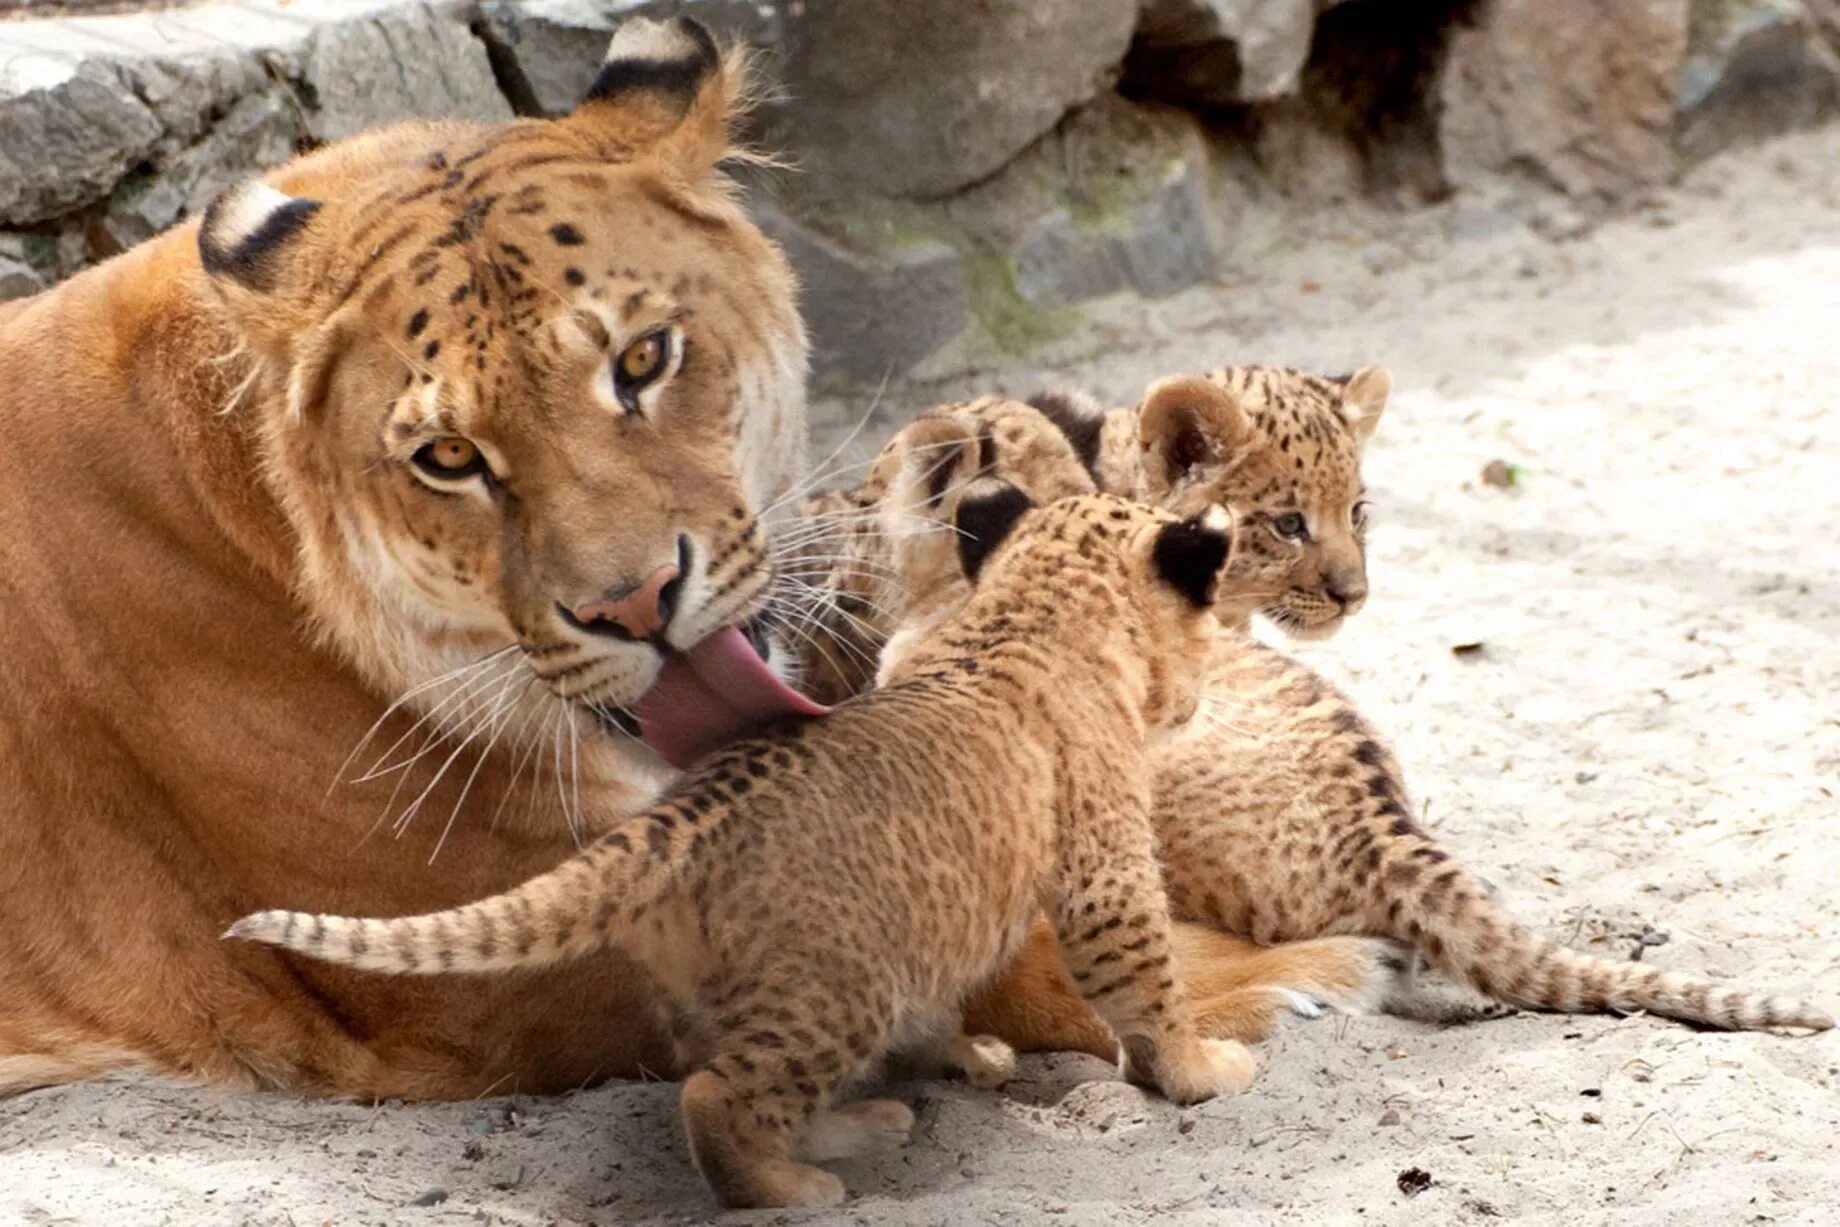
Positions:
(708, 696)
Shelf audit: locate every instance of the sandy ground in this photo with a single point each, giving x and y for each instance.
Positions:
(1647, 743)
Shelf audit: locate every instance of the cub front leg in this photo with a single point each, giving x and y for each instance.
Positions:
(1113, 921)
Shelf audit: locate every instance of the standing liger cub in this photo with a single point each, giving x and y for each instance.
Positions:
(813, 897)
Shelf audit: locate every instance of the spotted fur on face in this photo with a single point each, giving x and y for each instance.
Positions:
(524, 376)
(1280, 447)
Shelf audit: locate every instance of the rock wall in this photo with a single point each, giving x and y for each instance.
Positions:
(971, 171)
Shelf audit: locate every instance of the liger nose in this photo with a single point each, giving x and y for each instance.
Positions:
(641, 612)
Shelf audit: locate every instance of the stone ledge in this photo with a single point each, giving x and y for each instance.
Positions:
(114, 127)
(983, 199)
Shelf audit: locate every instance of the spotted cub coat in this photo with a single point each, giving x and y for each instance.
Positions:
(1281, 813)
(812, 897)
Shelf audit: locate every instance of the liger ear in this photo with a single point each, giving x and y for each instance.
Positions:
(1190, 554)
(665, 91)
(1185, 424)
(259, 250)
(1364, 396)
(252, 239)
(984, 519)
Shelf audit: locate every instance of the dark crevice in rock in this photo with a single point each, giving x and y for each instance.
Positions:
(506, 71)
(1362, 120)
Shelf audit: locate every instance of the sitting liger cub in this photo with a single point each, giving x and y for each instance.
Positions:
(817, 896)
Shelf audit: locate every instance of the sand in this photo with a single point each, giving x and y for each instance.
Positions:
(1645, 747)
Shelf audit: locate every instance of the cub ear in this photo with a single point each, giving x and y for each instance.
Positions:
(252, 238)
(931, 456)
(1191, 554)
(1364, 395)
(984, 519)
(665, 90)
(1184, 424)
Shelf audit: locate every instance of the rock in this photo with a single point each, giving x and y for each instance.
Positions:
(872, 309)
(429, 1197)
(1753, 69)
(140, 207)
(950, 89)
(257, 133)
(546, 52)
(1575, 94)
(1217, 53)
(68, 132)
(18, 279)
(1116, 198)
(397, 63)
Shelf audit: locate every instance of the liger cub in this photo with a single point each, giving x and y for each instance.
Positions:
(1281, 814)
(822, 893)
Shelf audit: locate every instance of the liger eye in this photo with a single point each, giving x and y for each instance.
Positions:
(1357, 515)
(1290, 525)
(639, 364)
(450, 459)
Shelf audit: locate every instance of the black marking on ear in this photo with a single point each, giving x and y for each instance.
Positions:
(247, 257)
(1081, 423)
(673, 61)
(983, 522)
(1189, 556)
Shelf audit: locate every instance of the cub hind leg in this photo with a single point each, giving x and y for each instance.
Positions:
(763, 1099)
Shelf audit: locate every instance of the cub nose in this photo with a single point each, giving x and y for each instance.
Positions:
(640, 612)
(1346, 592)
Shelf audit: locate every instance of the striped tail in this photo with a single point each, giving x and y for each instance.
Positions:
(581, 905)
(1457, 924)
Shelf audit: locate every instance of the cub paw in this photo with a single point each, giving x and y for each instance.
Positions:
(867, 1127)
(986, 1061)
(794, 1184)
(1204, 1069)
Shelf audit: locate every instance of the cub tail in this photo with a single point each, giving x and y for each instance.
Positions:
(584, 903)
(1455, 921)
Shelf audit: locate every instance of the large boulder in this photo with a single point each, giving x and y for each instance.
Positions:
(413, 61)
(922, 99)
(1576, 95)
(1219, 53)
(877, 297)
(1755, 68)
(68, 132)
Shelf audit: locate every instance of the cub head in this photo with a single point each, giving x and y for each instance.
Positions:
(862, 563)
(1282, 449)
(525, 388)
(1103, 572)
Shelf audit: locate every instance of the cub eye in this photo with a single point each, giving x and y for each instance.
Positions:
(639, 364)
(1357, 515)
(450, 459)
(1291, 526)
